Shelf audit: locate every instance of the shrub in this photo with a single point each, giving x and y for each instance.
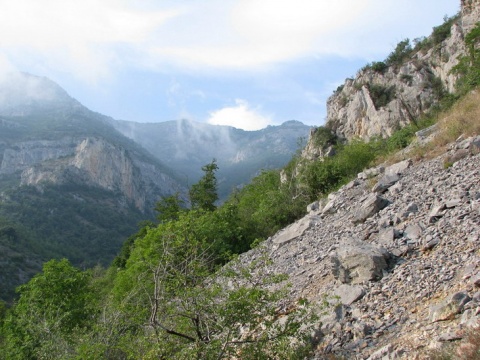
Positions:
(441, 32)
(379, 66)
(406, 78)
(401, 52)
(381, 95)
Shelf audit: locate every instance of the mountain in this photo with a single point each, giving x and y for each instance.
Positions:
(186, 146)
(386, 95)
(70, 184)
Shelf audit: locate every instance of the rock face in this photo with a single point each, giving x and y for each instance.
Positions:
(408, 89)
(89, 161)
(406, 278)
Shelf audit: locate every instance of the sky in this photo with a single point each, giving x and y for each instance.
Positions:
(244, 63)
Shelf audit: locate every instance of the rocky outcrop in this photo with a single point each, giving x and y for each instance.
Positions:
(380, 99)
(23, 155)
(88, 161)
(404, 280)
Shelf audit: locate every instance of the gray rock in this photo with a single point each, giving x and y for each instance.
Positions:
(357, 262)
(369, 207)
(398, 168)
(430, 244)
(450, 336)
(413, 231)
(449, 308)
(470, 319)
(453, 203)
(385, 182)
(385, 353)
(437, 212)
(348, 294)
(411, 208)
(290, 233)
(386, 236)
(313, 206)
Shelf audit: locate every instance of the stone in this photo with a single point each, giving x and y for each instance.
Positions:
(456, 156)
(449, 308)
(453, 203)
(385, 182)
(290, 233)
(450, 336)
(330, 208)
(398, 168)
(382, 353)
(358, 262)
(437, 212)
(386, 236)
(470, 319)
(411, 208)
(348, 294)
(413, 231)
(430, 244)
(313, 206)
(369, 207)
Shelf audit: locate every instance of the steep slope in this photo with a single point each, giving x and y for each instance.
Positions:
(186, 146)
(398, 262)
(70, 184)
(385, 96)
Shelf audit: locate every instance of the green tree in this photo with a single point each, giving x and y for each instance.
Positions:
(168, 294)
(203, 194)
(169, 207)
(52, 306)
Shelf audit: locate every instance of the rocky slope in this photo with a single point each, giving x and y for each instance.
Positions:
(383, 97)
(395, 253)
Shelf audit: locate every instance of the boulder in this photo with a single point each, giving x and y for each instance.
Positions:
(385, 182)
(348, 294)
(293, 231)
(398, 168)
(357, 262)
(449, 308)
(369, 207)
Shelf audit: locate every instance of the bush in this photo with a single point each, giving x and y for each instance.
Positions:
(379, 66)
(381, 95)
(402, 51)
(441, 32)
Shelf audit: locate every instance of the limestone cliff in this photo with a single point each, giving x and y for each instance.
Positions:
(88, 161)
(386, 96)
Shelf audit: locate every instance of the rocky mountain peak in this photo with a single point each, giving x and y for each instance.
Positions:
(385, 96)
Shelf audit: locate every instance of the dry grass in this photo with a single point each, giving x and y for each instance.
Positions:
(466, 349)
(462, 119)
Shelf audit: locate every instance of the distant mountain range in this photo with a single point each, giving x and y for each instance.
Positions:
(185, 146)
(75, 183)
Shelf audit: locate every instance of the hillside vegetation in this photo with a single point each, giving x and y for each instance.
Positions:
(175, 290)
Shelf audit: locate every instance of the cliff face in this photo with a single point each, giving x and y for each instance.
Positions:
(379, 100)
(89, 161)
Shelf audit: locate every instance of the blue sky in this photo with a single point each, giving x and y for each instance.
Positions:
(245, 63)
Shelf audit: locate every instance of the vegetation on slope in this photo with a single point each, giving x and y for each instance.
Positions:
(166, 296)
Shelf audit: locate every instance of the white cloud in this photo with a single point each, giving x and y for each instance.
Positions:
(240, 116)
(94, 39)
(87, 37)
